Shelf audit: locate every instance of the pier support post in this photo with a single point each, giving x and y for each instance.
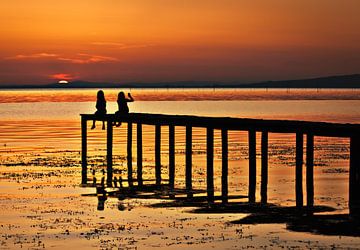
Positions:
(210, 164)
(298, 170)
(109, 150)
(310, 170)
(224, 175)
(171, 156)
(264, 166)
(354, 177)
(139, 153)
(188, 160)
(158, 155)
(252, 165)
(129, 154)
(83, 150)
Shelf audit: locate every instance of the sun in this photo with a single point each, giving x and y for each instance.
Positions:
(63, 82)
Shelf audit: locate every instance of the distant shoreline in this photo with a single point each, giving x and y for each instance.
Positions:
(336, 82)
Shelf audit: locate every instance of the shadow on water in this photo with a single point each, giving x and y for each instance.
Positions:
(295, 219)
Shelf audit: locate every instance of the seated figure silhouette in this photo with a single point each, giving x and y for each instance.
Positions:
(122, 104)
(100, 107)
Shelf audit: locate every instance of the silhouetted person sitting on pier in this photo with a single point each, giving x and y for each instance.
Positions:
(100, 107)
(122, 104)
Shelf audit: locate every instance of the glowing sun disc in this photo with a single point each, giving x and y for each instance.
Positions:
(63, 82)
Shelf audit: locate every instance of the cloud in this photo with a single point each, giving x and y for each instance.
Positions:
(87, 58)
(121, 46)
(32, 56)
(62, 76)
(80, 58)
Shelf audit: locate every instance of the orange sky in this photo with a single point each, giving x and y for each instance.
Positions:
(42, 41)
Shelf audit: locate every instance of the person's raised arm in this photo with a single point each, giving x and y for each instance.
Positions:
(131, 99)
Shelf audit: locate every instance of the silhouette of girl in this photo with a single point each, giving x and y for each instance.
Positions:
(100, 107)
(122, 105)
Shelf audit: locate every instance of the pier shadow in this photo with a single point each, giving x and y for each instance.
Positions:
(295, 219)
(315, 220)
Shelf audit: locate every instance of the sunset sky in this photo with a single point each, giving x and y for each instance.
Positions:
(44, 41)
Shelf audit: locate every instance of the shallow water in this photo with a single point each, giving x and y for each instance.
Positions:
(40, 169)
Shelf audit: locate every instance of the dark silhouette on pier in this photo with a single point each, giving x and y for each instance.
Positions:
(123, 108)
(100, 108)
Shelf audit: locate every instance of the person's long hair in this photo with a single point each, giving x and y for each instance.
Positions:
(121, 96)
(101, 96)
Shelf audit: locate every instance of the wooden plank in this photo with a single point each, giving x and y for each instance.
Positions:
(278, 126)
(264, 166)
(354, 177)
(252, 165)
(83, 150)
(224, 175)
(298, 170)
(139, 155)
(158, 154)
(210, 164)
(109, 153)
(309, 170)
(188, 160)
(129, 154)
(171, 156)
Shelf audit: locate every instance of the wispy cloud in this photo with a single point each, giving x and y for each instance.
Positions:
(80, 58)
(32, 56)
(62, 76)
(121, 46)
(87, 58)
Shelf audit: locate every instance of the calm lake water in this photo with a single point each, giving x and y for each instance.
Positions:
(40, 131)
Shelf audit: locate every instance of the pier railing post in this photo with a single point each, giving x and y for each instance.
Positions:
(139, 153)
(224, 175)
(171, 156)
(158, 154)
(83, 150)
(264, 166)
(298, 169)
(188, 161)
(210, 164)
(252, 165)
(109, 154)
(309, 170)
(129, 153)
(354, 177)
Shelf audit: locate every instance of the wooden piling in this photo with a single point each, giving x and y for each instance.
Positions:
(129, 153)
(252, 165)
(298, 170)
(83, 150)
(139, 153)
(158, 154)
(171, 156)
(210, 164)
(309, 170)
(109, 150)
(224, 175)
(264, 166)
(188, 160)
(354, 178)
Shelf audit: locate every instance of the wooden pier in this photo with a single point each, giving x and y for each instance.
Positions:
(252, 126)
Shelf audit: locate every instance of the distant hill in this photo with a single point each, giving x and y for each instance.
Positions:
(344, 81)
